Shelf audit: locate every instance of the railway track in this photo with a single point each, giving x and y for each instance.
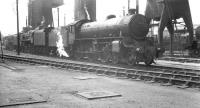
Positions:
(182, 60)
(182, 78)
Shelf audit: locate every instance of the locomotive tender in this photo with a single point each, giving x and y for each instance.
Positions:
(114, 40)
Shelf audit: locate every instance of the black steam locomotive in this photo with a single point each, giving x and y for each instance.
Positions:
(117, 40)
(114, 40)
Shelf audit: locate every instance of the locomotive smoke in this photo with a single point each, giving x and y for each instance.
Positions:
(60, 47)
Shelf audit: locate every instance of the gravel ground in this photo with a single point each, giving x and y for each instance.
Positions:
(58, 87)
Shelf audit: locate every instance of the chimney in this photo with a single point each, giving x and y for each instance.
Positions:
(137, 6)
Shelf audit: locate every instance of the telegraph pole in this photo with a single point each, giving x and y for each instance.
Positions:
(18, 38)
(58, 16)
(26, 21)
(64, 19)
(1, 39)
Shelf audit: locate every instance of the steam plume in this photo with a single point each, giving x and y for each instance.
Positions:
(60, 45)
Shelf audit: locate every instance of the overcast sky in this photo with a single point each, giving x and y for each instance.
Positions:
(104, 8)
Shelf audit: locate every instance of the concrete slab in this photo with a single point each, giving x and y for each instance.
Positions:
(98, 94)
(85, 77)
(9, 99)
(10, 67)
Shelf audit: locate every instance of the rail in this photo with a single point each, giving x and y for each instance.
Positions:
(183, 78)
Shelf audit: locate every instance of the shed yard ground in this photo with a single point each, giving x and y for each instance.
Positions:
(58, 87)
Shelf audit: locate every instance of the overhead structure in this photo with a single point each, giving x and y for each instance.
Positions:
(167, 11)
(41, 11)
(85, 9)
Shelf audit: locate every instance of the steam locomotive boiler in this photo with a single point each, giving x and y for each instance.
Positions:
(114, 40)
